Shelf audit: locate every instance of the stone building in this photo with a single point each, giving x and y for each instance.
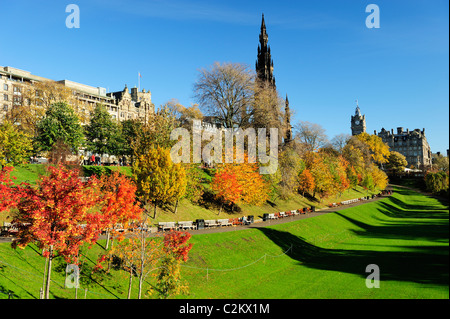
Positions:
(121, 105)
(358, 122)
(412, 144)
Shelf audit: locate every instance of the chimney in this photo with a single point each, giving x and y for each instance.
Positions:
(399, 130)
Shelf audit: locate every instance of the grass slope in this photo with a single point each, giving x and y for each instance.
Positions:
(406, 235)
(188, 211)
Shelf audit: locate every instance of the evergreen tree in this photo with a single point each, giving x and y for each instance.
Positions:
(60, 123)
(103, 134)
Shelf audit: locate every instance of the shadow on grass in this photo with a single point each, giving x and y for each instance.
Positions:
(426, 264)
(420, 264)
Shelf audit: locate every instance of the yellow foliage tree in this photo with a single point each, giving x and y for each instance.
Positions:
(379, 150)
(158, 179)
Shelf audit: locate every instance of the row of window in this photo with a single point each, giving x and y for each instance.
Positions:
(16, 89)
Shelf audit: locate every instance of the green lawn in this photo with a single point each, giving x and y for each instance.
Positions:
(406, 235)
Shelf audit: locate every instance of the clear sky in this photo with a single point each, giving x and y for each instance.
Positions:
(324, 55)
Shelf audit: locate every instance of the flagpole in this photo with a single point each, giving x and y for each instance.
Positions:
(139, 81)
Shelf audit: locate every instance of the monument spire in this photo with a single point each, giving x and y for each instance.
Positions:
(264, 62)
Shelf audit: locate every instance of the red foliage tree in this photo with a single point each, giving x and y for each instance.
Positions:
(58, 215)
(175, 243)
(10, 194)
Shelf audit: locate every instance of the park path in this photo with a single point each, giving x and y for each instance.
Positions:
(284, 220)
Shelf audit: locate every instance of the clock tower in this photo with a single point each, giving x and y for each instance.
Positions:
(358, 122)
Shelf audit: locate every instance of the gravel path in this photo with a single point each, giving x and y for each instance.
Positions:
(261, 224)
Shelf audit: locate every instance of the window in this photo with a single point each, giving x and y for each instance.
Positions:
(5, 87)
(5, 108)
(5, 97)
(17, 89)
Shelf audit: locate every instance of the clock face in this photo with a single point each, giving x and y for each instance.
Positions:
(357, 122)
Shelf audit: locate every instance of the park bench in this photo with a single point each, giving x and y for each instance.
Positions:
(211, 223)
(186, 225)
(143, 227)
(119, 228)
(236, 221)
(166, 225)
(224, 222)
(9, 229)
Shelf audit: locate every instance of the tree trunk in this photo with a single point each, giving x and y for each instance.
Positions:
(107, 239)
(129, 284)
(43, 281)
(154, 212)
(141, 279)
(176, 207)
(49, 272)
(143, 253)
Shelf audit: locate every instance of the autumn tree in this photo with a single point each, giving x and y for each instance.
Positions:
(396, 162)
(15, 146)
(139, 256)
(320, 171)
(290, 165)
(184, 115)
(380, 179)
(159, 181)
(437, 182)
(58, 216)
(339, 141)
(226, 186)
(236, 183)
(119, 205)
(161, 259)
(176, 250)
(155, 133)
(226, 92)
(379, 150)
(194, 187)
(10, 194)
(312, 135)
(306, 182)
(267, 108)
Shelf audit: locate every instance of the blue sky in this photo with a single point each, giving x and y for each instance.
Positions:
(324, 55)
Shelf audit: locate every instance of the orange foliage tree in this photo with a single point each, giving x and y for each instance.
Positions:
(119, 206)
(240, 183)
(306, 182)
